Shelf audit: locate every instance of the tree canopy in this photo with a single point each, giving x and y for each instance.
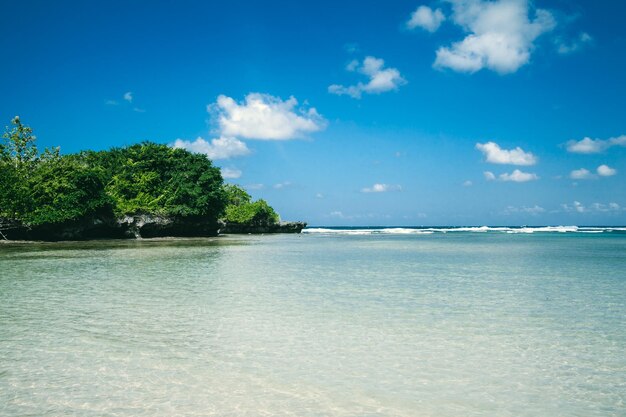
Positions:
(49, 188)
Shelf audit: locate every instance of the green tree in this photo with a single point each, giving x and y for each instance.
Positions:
(18, 159)
(236, 195)
(258, 213)
(156, 179)
(64, 189)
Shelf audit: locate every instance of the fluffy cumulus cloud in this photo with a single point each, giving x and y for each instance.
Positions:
(381, 188)
(381, 79)
(500, 35)
(564, 47)
(518, 176)
(606, 171)
(581, 174)
(426, 18)
(265, 117)
(231, 173)
(220, 148)
(128, 96)
(588, 145)
(496, 155)
(515, 176)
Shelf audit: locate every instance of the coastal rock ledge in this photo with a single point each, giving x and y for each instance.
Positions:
(137, 227)
(281, 227)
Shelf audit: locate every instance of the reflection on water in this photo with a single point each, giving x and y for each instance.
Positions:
(317, 325)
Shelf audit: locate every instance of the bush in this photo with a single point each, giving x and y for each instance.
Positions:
(258, 213)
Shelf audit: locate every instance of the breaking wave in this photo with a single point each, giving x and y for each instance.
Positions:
(481, 229)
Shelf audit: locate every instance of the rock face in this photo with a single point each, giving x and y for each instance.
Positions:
(282, 227)
(106, 227)
(137, 227)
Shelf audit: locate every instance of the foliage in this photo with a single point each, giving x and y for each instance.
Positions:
(258, 213)
(44, 188)
(147, 178)
(236, 195)
(62, 189)
(156, 179)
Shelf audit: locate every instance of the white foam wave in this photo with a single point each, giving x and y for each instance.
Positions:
(478, 229)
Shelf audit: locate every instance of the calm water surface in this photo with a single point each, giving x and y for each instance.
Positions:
(462, 324)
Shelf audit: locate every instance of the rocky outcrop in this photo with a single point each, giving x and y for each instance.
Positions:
(136, 227)
(282, 227)
(108, 227)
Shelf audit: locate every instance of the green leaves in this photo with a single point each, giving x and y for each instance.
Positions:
(156, 179)
(63, 189)
(146, 178)
(258, 213)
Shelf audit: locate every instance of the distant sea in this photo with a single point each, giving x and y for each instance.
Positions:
(331, 322)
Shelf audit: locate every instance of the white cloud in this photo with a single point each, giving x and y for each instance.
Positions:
(518, 176)
(497, 155)
(255, 186)
(231, 173)
(595, 207)
(128, 96)
(381, 79)
(265, 117)
(319, 195)
(580, 174)
(282, 185)
(605, 207)
(220, 148)
(588, 145)
(577, 207)
(606, 171)
(489, 176)
(111, 103)
(535, 210)
(467, 183)
(500, 36)
(139, 110)
(565, 48)
(426, 18)
(381, 188)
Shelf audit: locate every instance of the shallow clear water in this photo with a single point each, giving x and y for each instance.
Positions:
(455, 324)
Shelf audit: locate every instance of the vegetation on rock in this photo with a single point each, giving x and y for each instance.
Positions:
(44, 188)
(241, 209)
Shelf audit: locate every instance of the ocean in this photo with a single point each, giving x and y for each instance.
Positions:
(331, 322)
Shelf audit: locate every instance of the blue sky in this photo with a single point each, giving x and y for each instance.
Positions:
(460, 112)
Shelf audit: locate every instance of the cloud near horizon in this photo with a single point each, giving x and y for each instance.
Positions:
(496, 155)
(265, 117)
(500, 37)
(579, 207)
(515, 176)
(381, 188)
(588, 145)
(381, 79)
(584, 174)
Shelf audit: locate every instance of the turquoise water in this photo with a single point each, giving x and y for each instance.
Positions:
(319, 324)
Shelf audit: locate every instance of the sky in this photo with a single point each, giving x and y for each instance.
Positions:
(450, 112)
